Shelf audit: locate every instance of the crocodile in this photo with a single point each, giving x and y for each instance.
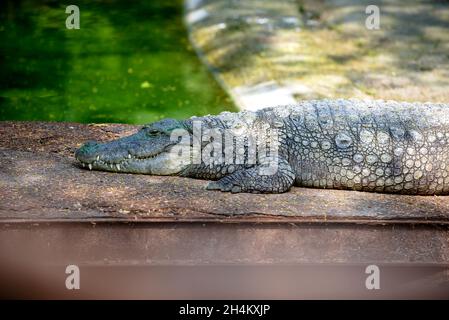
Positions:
(363, 145)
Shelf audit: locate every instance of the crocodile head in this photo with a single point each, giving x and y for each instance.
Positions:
(148, 151)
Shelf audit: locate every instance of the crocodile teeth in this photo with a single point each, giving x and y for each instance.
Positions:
(118, 167)
(98, 158)
(83, 165)
(129, 156)
(90, 166)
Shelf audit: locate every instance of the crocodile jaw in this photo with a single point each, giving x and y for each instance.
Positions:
(164, 163)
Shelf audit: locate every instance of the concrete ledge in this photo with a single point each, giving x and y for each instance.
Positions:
(266, 53)
(40, 182)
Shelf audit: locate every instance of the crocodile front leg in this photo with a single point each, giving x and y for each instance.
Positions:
(253, 180)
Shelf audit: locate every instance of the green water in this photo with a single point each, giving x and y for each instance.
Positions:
(130, 62)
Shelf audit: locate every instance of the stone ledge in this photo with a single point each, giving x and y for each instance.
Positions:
(40, 182)
(266, 53)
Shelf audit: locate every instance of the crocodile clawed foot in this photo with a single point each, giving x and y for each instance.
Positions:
(224, 186)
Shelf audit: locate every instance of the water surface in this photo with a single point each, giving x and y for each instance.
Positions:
(130, 62)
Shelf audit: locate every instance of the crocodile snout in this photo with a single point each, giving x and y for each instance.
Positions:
(87, 152)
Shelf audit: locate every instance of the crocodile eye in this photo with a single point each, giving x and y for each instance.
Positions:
(153, 132)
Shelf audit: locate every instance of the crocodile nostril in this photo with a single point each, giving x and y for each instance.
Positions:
(90, 144)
